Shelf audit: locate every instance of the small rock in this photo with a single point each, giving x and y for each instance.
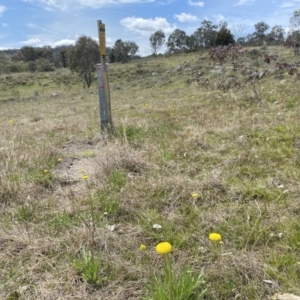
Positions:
(111, 227)
(258, 75)
(157, 226)
(268, 281)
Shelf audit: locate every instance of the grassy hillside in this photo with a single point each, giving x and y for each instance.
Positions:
(194, 157)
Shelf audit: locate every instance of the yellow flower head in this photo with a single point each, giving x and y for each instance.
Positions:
(11, 121)
(163, 248)
(215, 237)
(84, 177)
(46, 171)
(143, 247)
(59, 159)
(195, 195)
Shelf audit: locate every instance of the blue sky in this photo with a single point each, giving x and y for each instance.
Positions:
(57, 22)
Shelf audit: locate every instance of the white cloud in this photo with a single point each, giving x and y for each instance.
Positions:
(109, 41)
(4, 24)
(33, 42)
(2, 9)
(201, 4)
(36, 42)
(67, 4)
(63, 43)
(289, 4)
(219, 18)
(146, 26)
(243, 2)
(185, 18)
(166, 2)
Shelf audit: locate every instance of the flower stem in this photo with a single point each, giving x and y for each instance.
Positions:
(169, 275)
(92, 214)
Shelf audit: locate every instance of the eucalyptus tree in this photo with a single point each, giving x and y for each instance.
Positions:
(295, 26)
(206, 34)
(83, 57)
(123, 51)
(276, 35)
(224, 35)
(261, 29)
(176, 40)
(157, 39)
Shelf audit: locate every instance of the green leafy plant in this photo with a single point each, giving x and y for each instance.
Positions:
(183, 285)
(186, 286)
(15, 94)
(41, 177)
(88, 266)
(92, 209)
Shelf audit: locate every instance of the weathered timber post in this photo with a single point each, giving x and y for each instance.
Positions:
(103, 82)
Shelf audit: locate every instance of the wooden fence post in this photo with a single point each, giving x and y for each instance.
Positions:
(103, 82)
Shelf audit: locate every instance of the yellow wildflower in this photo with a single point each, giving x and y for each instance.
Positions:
(46, 171)
(195, 195)
(215, 237)
(163, 248)
(143, 247)
(11, 121)
(84, 177)
(59, 159)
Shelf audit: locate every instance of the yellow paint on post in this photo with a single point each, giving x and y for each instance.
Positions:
(101, 33)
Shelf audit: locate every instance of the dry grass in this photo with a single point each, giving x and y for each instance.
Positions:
(239, 154)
